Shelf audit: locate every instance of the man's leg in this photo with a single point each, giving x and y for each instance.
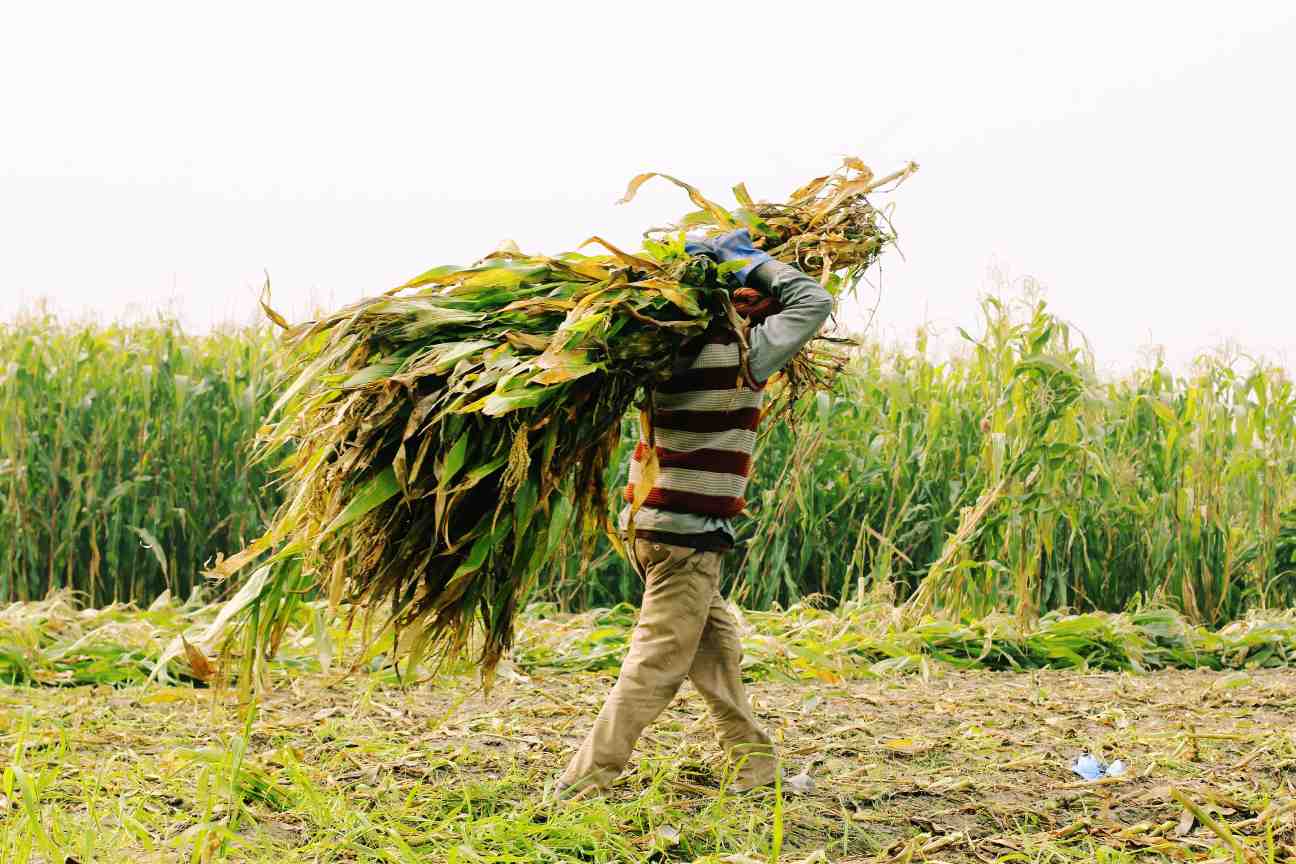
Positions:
(678, 586)
(717, 674)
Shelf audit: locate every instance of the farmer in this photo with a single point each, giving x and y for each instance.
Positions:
(703, 422)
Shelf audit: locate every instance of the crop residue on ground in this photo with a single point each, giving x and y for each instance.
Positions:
(957, 766)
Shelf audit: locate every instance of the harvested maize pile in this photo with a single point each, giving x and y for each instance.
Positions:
(447, 436)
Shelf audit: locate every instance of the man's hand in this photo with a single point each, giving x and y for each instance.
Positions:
(734, 246)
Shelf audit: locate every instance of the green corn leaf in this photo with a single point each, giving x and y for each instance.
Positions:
(370, 374)
(454, 461)
(153, 546)
(380, 489)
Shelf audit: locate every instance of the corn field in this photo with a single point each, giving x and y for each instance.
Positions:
(1150, 487)
(123, 458)
(126, 467)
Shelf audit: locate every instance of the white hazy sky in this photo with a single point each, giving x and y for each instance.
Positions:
(1135, 157)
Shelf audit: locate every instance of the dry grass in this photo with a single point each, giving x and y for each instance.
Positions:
(946, 766)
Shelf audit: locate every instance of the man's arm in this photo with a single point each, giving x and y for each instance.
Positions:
(806, 306)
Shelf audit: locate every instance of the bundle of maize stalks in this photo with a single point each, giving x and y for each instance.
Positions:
(448, 436)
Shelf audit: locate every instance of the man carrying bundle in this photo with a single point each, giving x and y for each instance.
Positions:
(703, 427)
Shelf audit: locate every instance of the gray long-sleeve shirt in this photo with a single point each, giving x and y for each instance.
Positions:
(806, 306)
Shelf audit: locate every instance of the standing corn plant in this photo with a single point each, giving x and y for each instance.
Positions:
(123, 458)
(1044, 384)
(448, 435)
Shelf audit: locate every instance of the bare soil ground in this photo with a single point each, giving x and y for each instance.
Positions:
(959, 766)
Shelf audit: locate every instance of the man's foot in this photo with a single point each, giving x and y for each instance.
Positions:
(742, 787)
(558, 791)
(751, 783)
(799, 784)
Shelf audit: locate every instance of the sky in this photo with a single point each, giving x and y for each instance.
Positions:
(1133, 159)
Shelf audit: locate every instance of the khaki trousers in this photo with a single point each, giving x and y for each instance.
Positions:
(684, 630)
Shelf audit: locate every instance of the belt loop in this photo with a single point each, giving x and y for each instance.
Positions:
(633, 556)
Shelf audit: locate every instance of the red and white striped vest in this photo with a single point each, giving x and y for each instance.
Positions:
(704, 421)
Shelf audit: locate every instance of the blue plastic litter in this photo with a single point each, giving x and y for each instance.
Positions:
(1088, 767)
(1092, 768)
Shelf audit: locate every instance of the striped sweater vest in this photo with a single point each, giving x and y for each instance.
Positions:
(704, 420)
